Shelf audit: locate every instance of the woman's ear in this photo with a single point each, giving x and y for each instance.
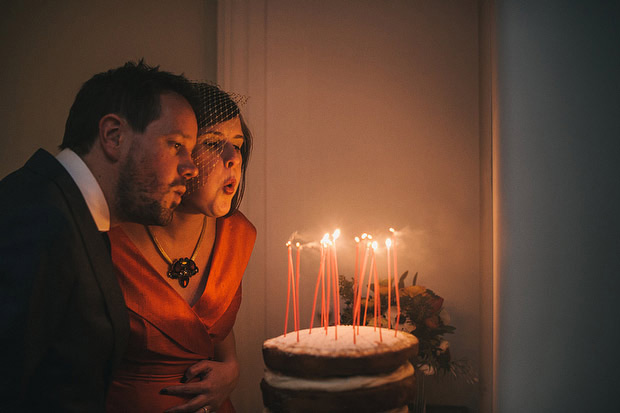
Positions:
(110, 135)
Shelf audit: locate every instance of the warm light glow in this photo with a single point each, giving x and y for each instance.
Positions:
(288, 243)
(364, 235)
(388, 243)
(369, 236)
(357, 239)
(392, 231)
(374, 245)
(336, 234)
(298, 245)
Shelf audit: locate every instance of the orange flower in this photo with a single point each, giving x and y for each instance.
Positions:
(412, 291)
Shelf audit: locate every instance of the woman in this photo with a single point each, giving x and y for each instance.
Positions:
(182, 282)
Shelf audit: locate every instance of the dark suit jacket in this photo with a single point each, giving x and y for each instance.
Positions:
(63, 321)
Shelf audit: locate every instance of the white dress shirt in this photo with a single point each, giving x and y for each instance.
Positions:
(89, 187)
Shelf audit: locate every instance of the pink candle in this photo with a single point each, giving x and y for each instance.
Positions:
(316, 289)
(361, 284)
(355, 282)
(388, 243)
(288, 287)
(372, 263)
(327, 279)
(377, 292)
(290, 258)
(396, 284)
(335, 290)
(335, 236)
(297, 292)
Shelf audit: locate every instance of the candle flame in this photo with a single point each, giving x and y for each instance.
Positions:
(364, 235)
(288, 243)
(336, 234)
(388, 243)
(298, 245)
(369, 236)
(392, 230)
(374, 245)
(357, 239)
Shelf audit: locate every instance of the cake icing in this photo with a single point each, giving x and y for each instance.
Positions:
(338, 383)
(370, 340)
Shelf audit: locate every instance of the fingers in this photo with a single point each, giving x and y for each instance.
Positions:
(199, 369)
(185, 390)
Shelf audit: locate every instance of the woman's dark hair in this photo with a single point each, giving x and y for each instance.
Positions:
(246, 150)
(131, 91)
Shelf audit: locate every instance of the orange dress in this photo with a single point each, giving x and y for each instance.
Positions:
(167, 334)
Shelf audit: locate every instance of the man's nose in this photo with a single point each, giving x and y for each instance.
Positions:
(187, 168)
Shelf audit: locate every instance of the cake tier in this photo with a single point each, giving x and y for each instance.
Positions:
(318, 354)
(386, 396)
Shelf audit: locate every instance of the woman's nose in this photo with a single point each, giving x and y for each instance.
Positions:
(231, 155)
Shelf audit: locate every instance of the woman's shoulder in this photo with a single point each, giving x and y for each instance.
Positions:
(239, 220)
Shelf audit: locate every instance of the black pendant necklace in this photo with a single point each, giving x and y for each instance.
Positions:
(181, 268)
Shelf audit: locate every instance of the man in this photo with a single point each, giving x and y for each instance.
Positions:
(125, 157)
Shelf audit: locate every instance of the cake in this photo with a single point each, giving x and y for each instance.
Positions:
(323, 374)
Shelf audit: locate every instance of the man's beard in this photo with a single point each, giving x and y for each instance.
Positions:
(139, 196)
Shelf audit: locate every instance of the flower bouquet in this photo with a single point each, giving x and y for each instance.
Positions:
(421, 314)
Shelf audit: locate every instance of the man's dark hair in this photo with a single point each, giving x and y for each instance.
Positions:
(131, 91)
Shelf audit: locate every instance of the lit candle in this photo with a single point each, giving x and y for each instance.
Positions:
(355, 282)
(396, 284)
(297, 292)
(377, 291)
(361, 284)
(327, 280)
(372, 263)
(335, 236)
(316, 289)
(388, 244)
(288, 287)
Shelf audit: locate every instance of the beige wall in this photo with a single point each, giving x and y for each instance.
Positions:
(49, 49)
(366, 118)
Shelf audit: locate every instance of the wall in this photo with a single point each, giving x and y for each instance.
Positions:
(50, 48)
(365, 118)
(558, 197)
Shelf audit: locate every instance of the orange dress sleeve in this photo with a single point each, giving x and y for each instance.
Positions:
(167, 334)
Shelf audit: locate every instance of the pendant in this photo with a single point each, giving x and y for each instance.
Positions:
(182, 269)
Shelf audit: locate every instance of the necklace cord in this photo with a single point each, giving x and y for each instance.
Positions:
(163, 253)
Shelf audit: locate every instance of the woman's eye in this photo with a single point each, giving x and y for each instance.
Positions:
(213, 144)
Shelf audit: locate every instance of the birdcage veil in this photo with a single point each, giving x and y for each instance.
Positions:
(214, 106)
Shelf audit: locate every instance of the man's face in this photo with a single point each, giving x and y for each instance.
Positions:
(157, 164)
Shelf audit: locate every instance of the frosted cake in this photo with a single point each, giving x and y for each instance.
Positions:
(322, 374)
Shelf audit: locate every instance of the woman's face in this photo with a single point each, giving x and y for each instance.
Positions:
(218, 150)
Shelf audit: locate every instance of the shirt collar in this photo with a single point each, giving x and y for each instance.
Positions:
(89, 187)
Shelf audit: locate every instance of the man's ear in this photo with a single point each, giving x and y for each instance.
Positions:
(110, 135)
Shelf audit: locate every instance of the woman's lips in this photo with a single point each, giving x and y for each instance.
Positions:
(230, 186)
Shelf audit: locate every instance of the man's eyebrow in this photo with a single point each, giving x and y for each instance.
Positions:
(179, 133)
